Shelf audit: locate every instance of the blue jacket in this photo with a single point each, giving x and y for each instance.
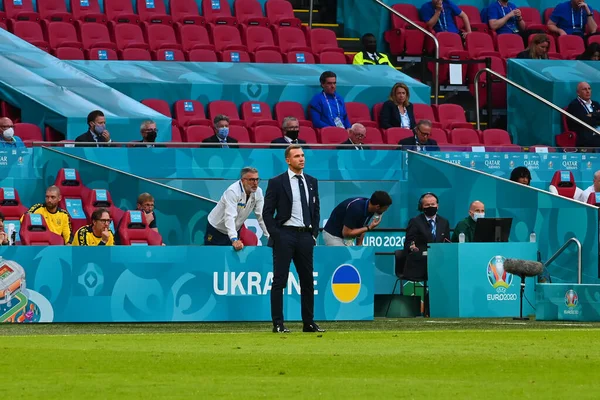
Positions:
(323, 115)
(16, 143)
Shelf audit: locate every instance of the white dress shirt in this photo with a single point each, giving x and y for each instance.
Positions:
(404, 118)
(233, 210)
(583, 197)
(297, 217)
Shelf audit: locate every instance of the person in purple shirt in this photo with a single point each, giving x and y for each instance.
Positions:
(505, 17)
(572, 18)
(8, 138)
(439, 16)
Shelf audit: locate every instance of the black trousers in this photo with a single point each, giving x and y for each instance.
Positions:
(293, 245)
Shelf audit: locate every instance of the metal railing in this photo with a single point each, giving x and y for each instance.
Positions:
(311, 8)
(563, 248)
(431, 36)
(527, 91)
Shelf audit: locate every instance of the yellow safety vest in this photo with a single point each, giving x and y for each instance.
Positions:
(362, 59)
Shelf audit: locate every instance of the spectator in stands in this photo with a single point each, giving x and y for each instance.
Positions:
(233, 209)
(521, 175)
(4, 239)
(467, 225)
(356, 136)
(593, 188)
(369, 54)
(420, 141)
(97, 132)
(572, 18)
(145, 203)
(8, 134)
(397, 112)
(439, 16)
(588, 111)
(97, 233)
(352, 218)
(221, 136)
(591, 53)
(57, 219)
(290, 128)
(505, 17)
(149, 131)
(538, 48)
(328, 108)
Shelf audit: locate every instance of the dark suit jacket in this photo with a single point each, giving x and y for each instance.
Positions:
(351, 148)
(278, 204)
(419, 231)
(585, 138)
(390, 116)
(430, 144)
(87, 138)
(281, 140)
(215, 139)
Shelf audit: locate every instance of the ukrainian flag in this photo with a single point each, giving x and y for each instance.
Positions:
(345, 283)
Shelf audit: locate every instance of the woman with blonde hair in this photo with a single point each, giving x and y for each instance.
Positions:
(397, 112)
(538, 48)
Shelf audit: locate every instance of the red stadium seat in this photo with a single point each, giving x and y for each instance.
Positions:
(201, 55)
(153, 11)
(532, 18)
(474, 19)
(234, 56)
(186, 12)
(158, 105)
(218, 12)
(439, 135)
(266, 134)
(134, 54)
(31, 32)
(498, 88)
(88, 11)
(403, 38)
(498, 140)
(257, 113)
(308, 134)
(570, 46)
(129, 36)
(479, 45)
(332, 57)
(227, 108)
(563, 184)
(194, 37)
(324, 40)
(227, 38)
(239, 133)
(451, 48)
(333, 135)
(249, 12)
(548, 13)
(374, 136)
(394, 135)
(465, 137)
(63, 34)
(359, 112)
(73, 191)
(161, 36)
(69, 53)
(291, 109)
(103, 54)
(424, 111)
(101, 198)
(248, 237)
(35, 232)
(10, 204)
(175, 134)
(593, 199)
(133, 230)
(259, 38)
(190, 112)
(377, 112)
(292, 39)
(509, 45)
(54, 10)
(121, 11)
(595, 38)
(268, 56)
(94, 34)
(168, 55)
(28, 133)
(21, 10)
(452, 116)
(197, 133)
(281, 13)
(299, 57)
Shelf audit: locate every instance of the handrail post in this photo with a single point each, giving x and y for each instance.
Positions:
(579, 257)
(431, 36)
(310, 13)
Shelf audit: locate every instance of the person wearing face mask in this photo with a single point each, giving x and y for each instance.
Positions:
(290, 128)
(221, 137)
(8, 134)
(148, 131)
(356, 138)
(97, 132)
(145, 203)
(369, 55)
(421, 140)
(328, 108)
(467, 225)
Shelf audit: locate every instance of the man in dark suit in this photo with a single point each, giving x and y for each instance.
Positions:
(96, 133)
(587, 110)
(148, 131)
(356, 137)
(290, 128)
(420, 141)
(292, 214)
(221, 137)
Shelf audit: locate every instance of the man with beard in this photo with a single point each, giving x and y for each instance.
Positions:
(57, 219)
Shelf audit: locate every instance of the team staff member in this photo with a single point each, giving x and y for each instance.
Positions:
(97, 132)
(58, 220)
(145, 203)
(351, 219)
(233, 209)
(292, 215)
(467, 225)
(327, 108)
(369, 55)
(97, 233)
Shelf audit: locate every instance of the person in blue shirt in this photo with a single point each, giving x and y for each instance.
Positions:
(505, 17)
(8, 138)
(572, 18)
(439, 16)
(327, 108)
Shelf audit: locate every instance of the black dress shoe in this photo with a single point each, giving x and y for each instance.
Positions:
(280, 328)
(312, 328)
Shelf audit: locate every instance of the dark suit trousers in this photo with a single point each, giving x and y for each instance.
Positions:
(297, 246)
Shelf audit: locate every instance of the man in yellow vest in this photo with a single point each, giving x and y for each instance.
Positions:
(369, 55)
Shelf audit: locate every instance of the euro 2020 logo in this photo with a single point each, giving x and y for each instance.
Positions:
(497, 276)
(571, 298)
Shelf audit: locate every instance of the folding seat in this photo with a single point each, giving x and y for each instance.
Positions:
(292, 39)
(175, 134)
(129, 36)
(360, 113)
(120, 11)
(227, 38)
(480, 45)
(202, 55)
(249, 12)
(509, 45)
(308, 134)
(87, 11)
(239, 133)
(97, 53)
(374, 136)
(259, 38)
(281, 13)
(227, 108)
(332, 57)
(424, 111)
(20, 10)
(464, 137)
(197, 133)
(452, 116)
(498, 140)
(377, 111)
(570, 46)
(257, 113)
(133, 230)
(552, 53)
(94, 34)
(12, 208)
(69, 53)
(158, 105)
(248, 237)
(394, 135)
(299, 57)
(101, 198)
(563, 184)
(28, 133)
(294, 109)
(474, 19)
(547, 13)
(194, 37)
(34, 231)
(234, 56)
(218, 12)
(54, 10)
(532, 18)
(161, 36)
(268, 56)
(63, 34)
(266, 134)
(451, 48)
(498, 86)
(186, 12)
(31, 32)
(168, 55)
(333, 135)
(135, 54)
(593, 199)
(402, 37)
(73, 191)
(154, 12)
(594, 39)
(324, 40)
(190, 112)
(439, 135)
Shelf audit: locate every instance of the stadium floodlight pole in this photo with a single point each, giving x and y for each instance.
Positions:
(431, 36)
(311, 9)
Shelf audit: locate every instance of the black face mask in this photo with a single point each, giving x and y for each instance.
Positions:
(371, 48)
(293, 134)
(430, 211)
(151, 136)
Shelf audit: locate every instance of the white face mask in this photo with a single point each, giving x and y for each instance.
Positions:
(9, 133)
(476, 216)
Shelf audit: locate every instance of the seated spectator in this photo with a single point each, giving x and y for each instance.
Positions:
(505, 17)
(521, 175)
(397, 112)
(572, 18)
(420, 141)
(290, 129)
(4, 239)
(591, 53)
(97, 233)
(356, 136)
(593, 188)
(369, 54)
(538, 48)
(57, 219)
(145, 203)
(467, 225)
(588, 111)
(439, 16)
(149, 131)
(328, 108)
(8, 134)
(97, 132)
(221, 136)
